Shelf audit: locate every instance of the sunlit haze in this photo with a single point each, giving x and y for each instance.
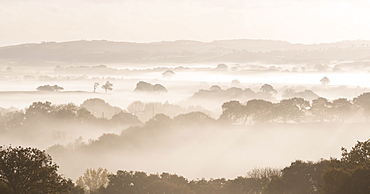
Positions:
(297, 21)
(184, 96)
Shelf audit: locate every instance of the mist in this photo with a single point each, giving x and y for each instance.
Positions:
(187, 96)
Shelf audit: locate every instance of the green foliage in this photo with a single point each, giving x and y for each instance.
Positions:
(140, 182)
(29, 170)
(350, 174)
(299, 177)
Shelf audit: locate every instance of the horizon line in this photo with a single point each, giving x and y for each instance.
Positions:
(177, 40)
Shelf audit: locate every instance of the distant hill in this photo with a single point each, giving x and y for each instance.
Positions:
(185, 51)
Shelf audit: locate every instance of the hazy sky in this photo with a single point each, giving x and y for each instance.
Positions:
(304, 21)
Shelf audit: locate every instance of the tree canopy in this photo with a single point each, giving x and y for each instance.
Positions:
(29, 170)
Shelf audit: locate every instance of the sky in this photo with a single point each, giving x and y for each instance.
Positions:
(296, 21)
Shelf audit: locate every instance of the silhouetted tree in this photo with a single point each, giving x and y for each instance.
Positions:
(268, 89)
(342, 108)
(291, 109)
(93, 179)
(215, 88)
(306, 94)
(222, 67)
(260, 110)
(100, 108)
(325, 81)
(233, 111)
(262, 178)
(57, 88)
(29, 170)
(363, 101)
(38, 110)
(140, 182)
(350, 174)
(193, 118)
(142, 86)
(107, 86)
(321, 109)
(288, 93)
(159, 88)
(299, 177)
(168, 73)
(49, 88)
(124, 118)
(96, 84)
(235, 82)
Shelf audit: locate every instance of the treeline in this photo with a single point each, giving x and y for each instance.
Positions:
(45, 113)
(266, 92)
(349, 174)
(296, 110)
(97, 111)
(91, 112)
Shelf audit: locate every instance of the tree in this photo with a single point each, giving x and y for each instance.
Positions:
(148, 87)
(29, 170)
(363, 101)
(107, 86)
(50, 88)
(359, 155)
(291, 109)
(57, 88)
(325, 81)
(350, 174)
(136, 107)
(38, 110)
(93, 179)
(299, 177)
(140, 182)
(235, 82)
(288, 93)
(215, 88)
(263, 177)
(96, 84)
(260, 110)
(233, 111)
(159, 88)
(124, 118)
(320, 109)
(142, 86)
(342, 108)
(268, 89)
(222, 67)
(100, 108)
(193, 118)
(168, 73)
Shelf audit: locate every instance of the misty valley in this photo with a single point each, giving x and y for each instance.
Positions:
(243, 116)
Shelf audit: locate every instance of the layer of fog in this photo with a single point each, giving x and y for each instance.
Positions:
(192, 152)
(215, 152)
(180, 87)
